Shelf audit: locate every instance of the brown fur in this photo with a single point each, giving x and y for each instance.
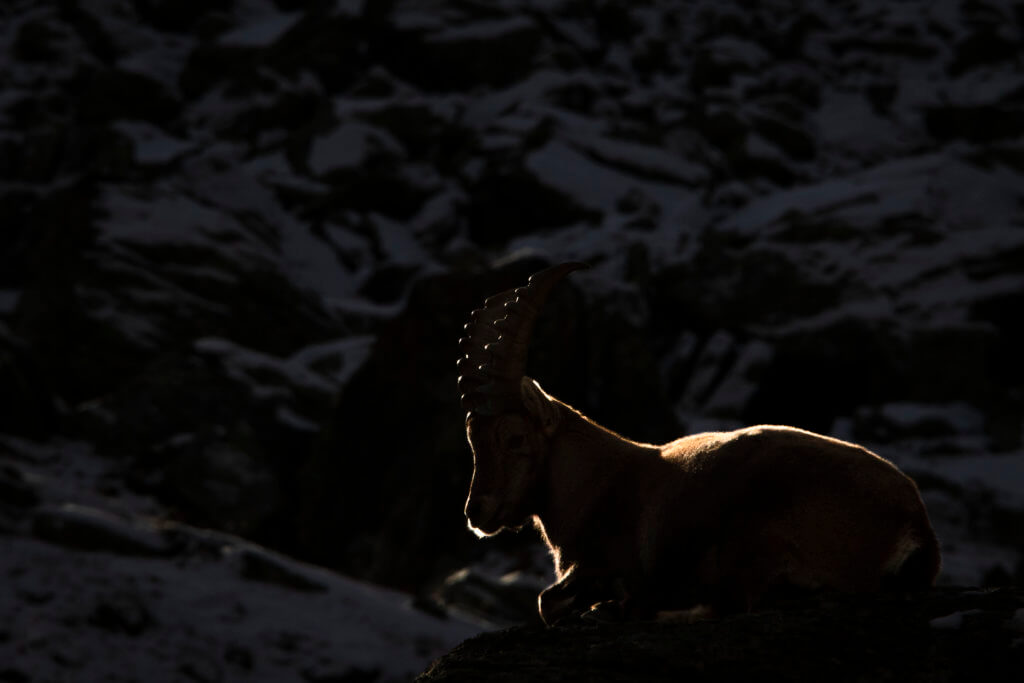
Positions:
(718, 520)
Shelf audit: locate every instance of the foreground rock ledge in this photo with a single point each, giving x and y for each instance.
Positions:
(948, 634)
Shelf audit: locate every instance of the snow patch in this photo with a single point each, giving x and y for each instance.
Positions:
(348, 146)
(261, 32)
(170, 620)
(9, 299)
(339, 358)
(953, 621)
(1001, 474)
(151, 145)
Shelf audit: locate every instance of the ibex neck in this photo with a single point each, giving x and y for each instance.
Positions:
(606, 444)
(586, 465)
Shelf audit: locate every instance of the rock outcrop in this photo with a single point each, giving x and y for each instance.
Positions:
(947, 635)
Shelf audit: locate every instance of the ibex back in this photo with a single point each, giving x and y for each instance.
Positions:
(713, 521)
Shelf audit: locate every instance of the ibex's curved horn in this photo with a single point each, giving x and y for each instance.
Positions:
(496, 342)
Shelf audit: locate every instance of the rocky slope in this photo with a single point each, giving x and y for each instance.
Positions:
(101, 586)
(241, 237)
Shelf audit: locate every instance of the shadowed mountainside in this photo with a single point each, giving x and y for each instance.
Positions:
(240, 238)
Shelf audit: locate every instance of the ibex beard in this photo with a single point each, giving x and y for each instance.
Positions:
(714, 522)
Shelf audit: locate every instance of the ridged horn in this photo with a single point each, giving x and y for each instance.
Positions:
(496, 342)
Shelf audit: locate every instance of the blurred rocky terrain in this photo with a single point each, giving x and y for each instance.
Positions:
(241, 238)
(99, 587)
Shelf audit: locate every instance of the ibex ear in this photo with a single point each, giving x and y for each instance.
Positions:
(542, 407)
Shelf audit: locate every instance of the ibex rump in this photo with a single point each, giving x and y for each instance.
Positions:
(715, 520)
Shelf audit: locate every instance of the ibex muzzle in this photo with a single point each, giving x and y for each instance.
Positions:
(716, 520)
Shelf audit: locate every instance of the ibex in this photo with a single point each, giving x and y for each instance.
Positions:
(714, 522)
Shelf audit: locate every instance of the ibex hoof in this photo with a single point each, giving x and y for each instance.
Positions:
(607, 611)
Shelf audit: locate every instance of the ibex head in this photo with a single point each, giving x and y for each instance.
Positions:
(508, 416)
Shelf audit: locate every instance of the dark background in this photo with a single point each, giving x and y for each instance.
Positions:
(240, 240)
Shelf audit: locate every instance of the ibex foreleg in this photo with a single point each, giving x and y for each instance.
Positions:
(580, 591)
